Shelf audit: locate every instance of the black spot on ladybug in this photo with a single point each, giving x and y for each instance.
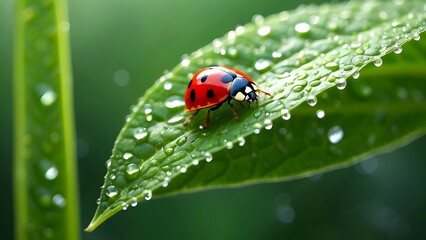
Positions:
(192, 95)
(227, 78)
(210, 93)
(189, 84)
(204, 78)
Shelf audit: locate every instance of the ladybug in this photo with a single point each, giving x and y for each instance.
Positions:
(211, 87)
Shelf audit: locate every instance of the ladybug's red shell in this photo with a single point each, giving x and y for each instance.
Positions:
(211, 86)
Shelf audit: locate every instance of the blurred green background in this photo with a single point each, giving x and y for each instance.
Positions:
(119, 48)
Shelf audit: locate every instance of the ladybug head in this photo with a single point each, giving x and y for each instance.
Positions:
(243, 90)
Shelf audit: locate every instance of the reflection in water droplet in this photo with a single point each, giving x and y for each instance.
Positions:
(167, 86)
(285, 114)
(398, 49)
(335, 134)
(378, 62)
(302, 27)
(355, 75)
(185, 61)
(140, 133)
(111, 191)
(312, 100)
(127, 155)
(148, 195)
(268, 124)
(263, 31)
(341, 83)
(208, 156)
(132, 171)
(241, 141)
(262, 64)
(174, 102)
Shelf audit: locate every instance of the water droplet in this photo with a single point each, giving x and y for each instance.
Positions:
(262, 64)
(59, 201)
(51, 173)
(320, 113)
(258, 19)
(108, 163)
(121, 77)
(112, 176)
(355, 75)
(148, 195)
(331, 66)
(181, 141)
(257, 127)
(268, 124)
(195, 162)
(208, 156)
(285, 114)
(335, 134)
(132, 171)
(341, 83)
(312, 100)
(229, 145)
(174, 102)
(369, 166)
(140, 133)
(175, 119)
(302, 27)
(169, 151)
(166, 182)
(398, 49)
(185, 61)
(47, 95)
(127, 156)
(134, 202)
(124, 206)
(167, 86)
(98, 201)
(241, 141)
(183, 170)
(378, 62)
(416, 36)
(263, 31)
(276, 54)
(111, 191)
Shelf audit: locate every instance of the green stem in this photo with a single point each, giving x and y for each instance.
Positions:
(45, 182)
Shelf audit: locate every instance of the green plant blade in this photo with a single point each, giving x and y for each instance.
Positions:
(44, 164)
(299, 56)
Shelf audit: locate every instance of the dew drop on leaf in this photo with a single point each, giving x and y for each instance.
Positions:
(312, 100)
(335, 134)
(268, 124)
(302, 27)
(263, 31)
(59, 201)
(132, 171)
(174, 102)
(140, 133)
(262, 64)
(229, 145)
(341, 83)
(111, 191)
(241, 141)
(285, 114)
(127, 156)
(378, 62)
(208, 156)
(355, 75)
(398, 49)
(134, 202)
(124, 206)
(167, 86)
(148, 195)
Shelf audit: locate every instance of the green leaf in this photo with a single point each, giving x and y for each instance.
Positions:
(297, 56)
(44, 166)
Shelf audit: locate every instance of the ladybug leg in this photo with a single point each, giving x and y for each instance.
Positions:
(190, 118)
(233, 110)
(208, 114)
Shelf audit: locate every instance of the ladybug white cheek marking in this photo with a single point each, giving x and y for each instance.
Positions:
(248, 89)
(240, 97)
